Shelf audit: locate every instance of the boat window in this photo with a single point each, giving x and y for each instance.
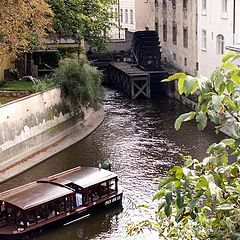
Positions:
(60, 206)
(95, 193)
(51, 209)
(68, 203)
(10, 215)
(112, 185)
(103, 188)
(3, 210)
(41, 213)
(31, 219)
(20, 218)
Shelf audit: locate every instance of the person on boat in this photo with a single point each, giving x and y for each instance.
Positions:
(79, 199)
(107, 165)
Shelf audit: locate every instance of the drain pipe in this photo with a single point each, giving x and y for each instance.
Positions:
(234, 20)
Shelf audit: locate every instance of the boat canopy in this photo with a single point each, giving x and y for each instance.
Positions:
(85, 177)
(54, 187)
(35, 195)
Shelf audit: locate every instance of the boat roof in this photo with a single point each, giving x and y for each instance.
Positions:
(53, 187)
(84, 176)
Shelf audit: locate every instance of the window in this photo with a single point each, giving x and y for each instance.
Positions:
(126, 15)
(220, 44)
(131, 16)
(165, 31)
(121, 16)
(224, 9)
(174, 56)
(185, 5)
(185, 37)
(185, 61)
(174, 33)
(204, 39)
(204, 5)
(224, 6)
(164, 3)
(173, 3)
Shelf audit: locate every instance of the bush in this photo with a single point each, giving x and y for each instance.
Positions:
(79, 81)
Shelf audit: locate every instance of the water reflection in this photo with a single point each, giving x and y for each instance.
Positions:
(140, 139)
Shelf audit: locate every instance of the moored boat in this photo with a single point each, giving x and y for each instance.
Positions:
(59, 199)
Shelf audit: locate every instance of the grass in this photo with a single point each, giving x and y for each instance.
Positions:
(17, 86)
(4, 100)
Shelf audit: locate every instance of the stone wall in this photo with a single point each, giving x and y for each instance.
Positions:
(27, 122)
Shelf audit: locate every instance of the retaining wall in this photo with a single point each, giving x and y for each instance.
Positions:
(34, 124)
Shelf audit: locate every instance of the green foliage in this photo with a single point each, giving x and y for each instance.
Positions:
(83, 19)
(201, 200)
(79, 81)
(17, 86)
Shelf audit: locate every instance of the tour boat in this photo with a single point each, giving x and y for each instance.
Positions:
(60, 199)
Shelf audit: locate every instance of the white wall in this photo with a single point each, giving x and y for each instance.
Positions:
(215, 22)
(29, 117)
(128, 21)
(145, 14)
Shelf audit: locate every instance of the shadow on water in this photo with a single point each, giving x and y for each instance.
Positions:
(140, 139)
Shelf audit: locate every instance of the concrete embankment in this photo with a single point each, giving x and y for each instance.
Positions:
(38, 126)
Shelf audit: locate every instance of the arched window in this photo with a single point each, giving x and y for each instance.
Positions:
(220, 44)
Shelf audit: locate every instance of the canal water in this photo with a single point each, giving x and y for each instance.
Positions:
(139, 137)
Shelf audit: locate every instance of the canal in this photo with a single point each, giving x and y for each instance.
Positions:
(139, 137)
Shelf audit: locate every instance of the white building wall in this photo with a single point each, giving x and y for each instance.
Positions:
(183, 58)
(215, 21)
(145, 14)
(127, 11)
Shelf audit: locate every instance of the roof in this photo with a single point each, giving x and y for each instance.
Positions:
(84, 176)
(48, 189)
(36, 194)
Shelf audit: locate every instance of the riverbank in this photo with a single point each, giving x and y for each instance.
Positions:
(37, 127)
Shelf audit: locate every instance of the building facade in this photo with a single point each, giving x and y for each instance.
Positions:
(146, 14)
(125, 9)
(177, 28)
(218, 28)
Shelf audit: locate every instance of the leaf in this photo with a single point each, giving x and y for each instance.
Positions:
(228, 102)
(168, 197)
(229, 66)
(235, 78)
(174, 77)
(202, 184)
(181, 85)
(217, 102)
(230, 87)
(168, 210)
(225, 207)
(190, 85)
(184, 118)
(201, 120)
(159, 194)
(228, 55)
(180, 202)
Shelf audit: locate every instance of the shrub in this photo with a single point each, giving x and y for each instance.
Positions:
(79, 82)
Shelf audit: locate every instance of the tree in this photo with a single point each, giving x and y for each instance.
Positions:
(83, 19)
(201, 200)
(23, 24)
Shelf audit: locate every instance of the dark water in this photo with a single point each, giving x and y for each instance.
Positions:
(140, 139)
